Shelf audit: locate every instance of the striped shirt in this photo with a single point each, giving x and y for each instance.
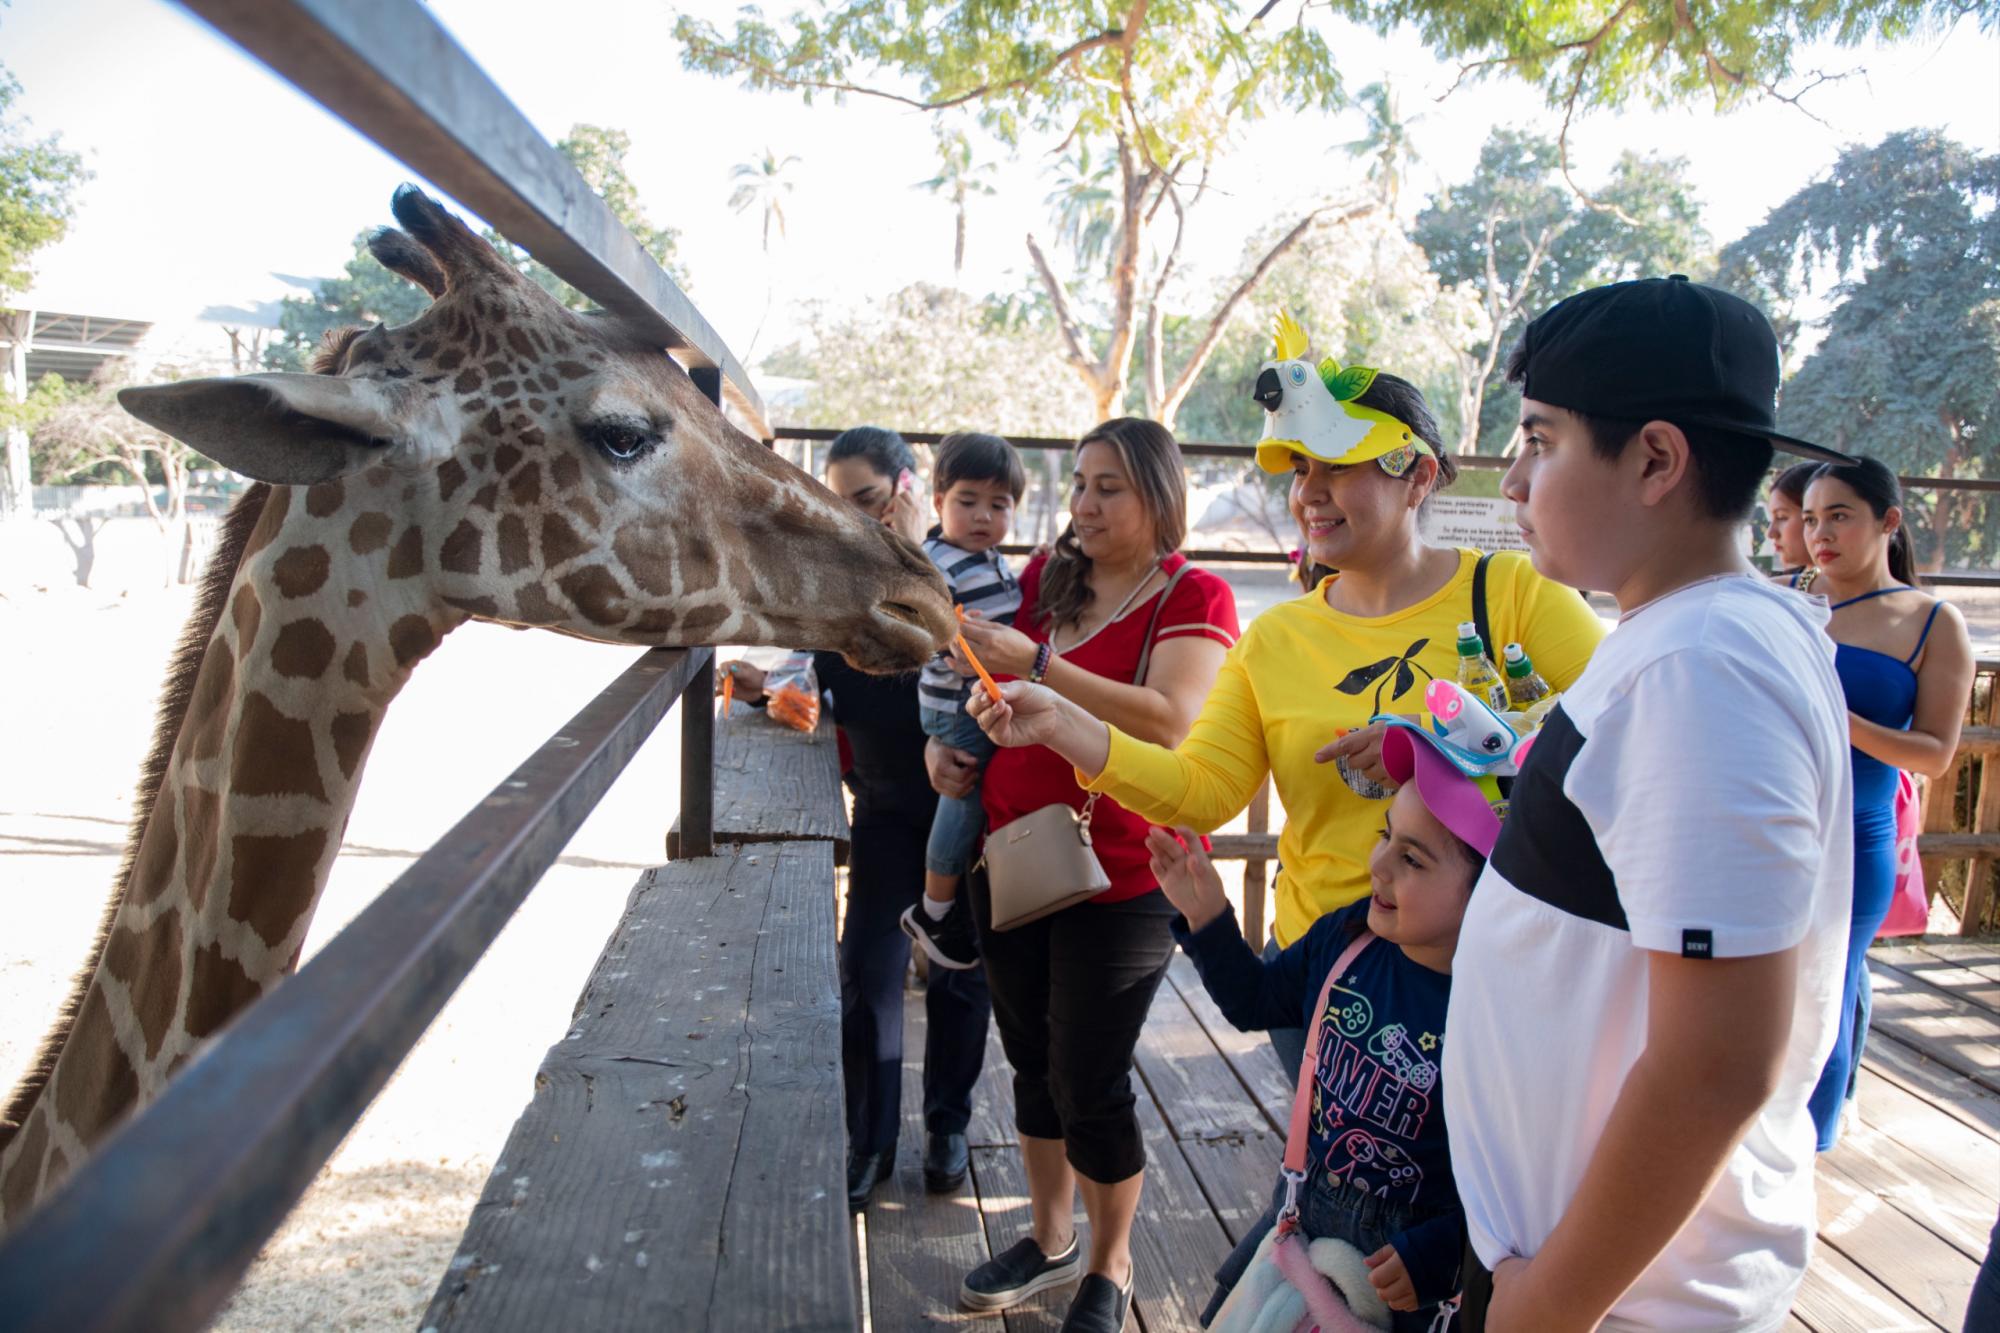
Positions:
(980, 581)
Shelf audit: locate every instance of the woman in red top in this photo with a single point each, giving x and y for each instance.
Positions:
(1071, 991)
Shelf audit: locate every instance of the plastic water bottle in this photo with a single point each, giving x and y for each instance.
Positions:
(1476, 672)
(1525, 685)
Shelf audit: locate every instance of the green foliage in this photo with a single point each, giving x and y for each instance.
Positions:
(960, 177)
(1523, 238)
(1590, 53)
(38, 183)
(598, 154)
(45, 396)
(1906, 233)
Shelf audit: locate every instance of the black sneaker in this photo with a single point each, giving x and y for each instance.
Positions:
(949, 943)
(1101, 1306)
(1015, 1274)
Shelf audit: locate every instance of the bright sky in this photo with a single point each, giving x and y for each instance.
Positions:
(213, 175)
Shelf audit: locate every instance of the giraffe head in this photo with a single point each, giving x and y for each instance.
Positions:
(557, 470)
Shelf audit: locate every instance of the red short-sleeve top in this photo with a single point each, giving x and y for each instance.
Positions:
(1020, 782)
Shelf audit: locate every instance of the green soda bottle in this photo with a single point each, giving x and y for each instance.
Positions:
(1476, 673)
(1525, 685)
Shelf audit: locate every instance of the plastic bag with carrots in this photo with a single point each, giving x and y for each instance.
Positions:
(791, 692)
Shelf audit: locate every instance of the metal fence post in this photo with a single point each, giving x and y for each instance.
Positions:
(697, 835)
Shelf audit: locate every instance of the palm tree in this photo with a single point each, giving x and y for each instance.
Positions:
(1085, 205)
(1387, 143)
(763, 185)
(958, 178)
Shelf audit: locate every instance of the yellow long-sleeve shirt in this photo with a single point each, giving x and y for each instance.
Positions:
(1302, 671)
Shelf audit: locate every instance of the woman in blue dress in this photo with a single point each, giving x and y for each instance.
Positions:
(1906, 664)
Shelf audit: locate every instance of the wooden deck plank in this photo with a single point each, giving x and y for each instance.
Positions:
(993, 1098)
(1942, 1202)
(1237, 1175)
(1952, 1093)
(1248, 1053)
(1960, 1036)
(1924, 1130)
(920, 1245)
(1837, 1296)
(1974, 955)
(680, 1163)
(1193, 1084)
(1177, 1241)
(774, 784)
(1924, 1272)
(1954, 979)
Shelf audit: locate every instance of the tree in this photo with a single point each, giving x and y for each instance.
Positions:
(1387, 145)
(1161, 86)
(38, 183)
(90, 435)
(959, 177)
(1518, 236)
(1154, 89)
(367, 293)
(762, 185)
(1906, 233)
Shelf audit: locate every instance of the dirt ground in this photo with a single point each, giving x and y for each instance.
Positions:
(366, 1246)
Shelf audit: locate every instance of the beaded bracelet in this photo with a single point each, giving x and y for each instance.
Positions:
(1044, 656)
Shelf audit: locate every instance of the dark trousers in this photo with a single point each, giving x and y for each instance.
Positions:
(1070, 993)
(885, 875)
(1478, 1295)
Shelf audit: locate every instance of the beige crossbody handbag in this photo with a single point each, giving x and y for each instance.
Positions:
(1043, 862)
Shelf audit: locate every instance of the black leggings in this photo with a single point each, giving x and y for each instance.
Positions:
(1070, 993)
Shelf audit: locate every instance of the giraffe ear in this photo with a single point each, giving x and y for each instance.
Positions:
(293, 430)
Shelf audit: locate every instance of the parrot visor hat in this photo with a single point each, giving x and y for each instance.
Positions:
(1314, 410)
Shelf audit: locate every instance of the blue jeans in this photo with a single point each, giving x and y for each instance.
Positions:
(960, 820)
(1364, 1221)
(1983, 1314)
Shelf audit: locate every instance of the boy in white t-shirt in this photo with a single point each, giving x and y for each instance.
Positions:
(1648, 977)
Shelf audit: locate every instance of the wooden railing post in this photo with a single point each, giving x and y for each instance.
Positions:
(1256, 877)
(697, 823)
(1985, 819)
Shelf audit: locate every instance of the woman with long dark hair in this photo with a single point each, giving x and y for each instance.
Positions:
(1115, 620)
(1906, 665)
(1787, 532)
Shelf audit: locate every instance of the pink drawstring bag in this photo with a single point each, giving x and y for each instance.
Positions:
(1910, 906)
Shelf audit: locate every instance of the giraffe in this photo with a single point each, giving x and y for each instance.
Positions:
(499, 458)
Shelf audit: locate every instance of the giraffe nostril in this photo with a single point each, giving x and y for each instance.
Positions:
(902, 611)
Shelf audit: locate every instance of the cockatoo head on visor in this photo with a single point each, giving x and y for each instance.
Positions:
(1313, 410)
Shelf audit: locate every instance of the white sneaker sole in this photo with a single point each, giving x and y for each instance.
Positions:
(986, 1303)
(923, 941)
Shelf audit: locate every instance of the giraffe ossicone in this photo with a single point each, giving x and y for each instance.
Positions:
(498, 458)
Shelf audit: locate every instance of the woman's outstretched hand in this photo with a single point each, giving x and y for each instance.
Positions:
(1025, 715)
(1186, 875)
(1004, 650)
(1362, 749)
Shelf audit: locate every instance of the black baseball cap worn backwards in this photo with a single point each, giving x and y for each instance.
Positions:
(1662, 349)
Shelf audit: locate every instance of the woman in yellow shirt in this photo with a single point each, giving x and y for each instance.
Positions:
(1308, 671)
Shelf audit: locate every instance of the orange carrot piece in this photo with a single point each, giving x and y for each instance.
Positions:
(985, 677)
(728, 691)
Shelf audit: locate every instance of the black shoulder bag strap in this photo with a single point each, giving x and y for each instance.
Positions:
(1479, 616)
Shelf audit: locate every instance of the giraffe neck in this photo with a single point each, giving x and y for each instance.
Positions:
(304, 660)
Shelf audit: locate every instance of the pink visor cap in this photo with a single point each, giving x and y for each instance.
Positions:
(1463, 804)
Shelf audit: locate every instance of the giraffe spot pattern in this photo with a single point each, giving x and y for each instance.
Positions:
(488, 497)
(476, 606)
(218, 988)
(525, 486)
(350, 738)
(369, 533)
(559, 541)
(245, 611)
(504, 459)
(266, 876)
(274, 755)
(514, 555)
(463, 551)
(324, 499)
(451, 475)
(302, 571)
(594, 591)
(208, 707)
(89, 1092)
(655, 622)
(355, 668)
(149, 965)
(411, 639)
(18, 1190)
(303, 650)
(407, 560)
(468, 380)
(356, 597)
(202, 815)
(277, 503)
(703, 621)
(533, 606)
(159, 848)
(565, 472)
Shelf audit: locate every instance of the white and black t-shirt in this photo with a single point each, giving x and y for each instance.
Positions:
(1689, 796)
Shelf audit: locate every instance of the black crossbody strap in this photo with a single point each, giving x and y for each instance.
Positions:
(1479, 616)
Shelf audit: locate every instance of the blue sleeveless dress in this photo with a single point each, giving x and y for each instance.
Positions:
(1882, 689)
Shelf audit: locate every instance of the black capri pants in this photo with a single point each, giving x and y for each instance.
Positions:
(1070, 993)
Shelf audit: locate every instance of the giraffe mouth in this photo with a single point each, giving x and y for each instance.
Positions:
(904, 612)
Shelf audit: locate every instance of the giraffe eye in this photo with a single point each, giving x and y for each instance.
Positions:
(620, 439)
